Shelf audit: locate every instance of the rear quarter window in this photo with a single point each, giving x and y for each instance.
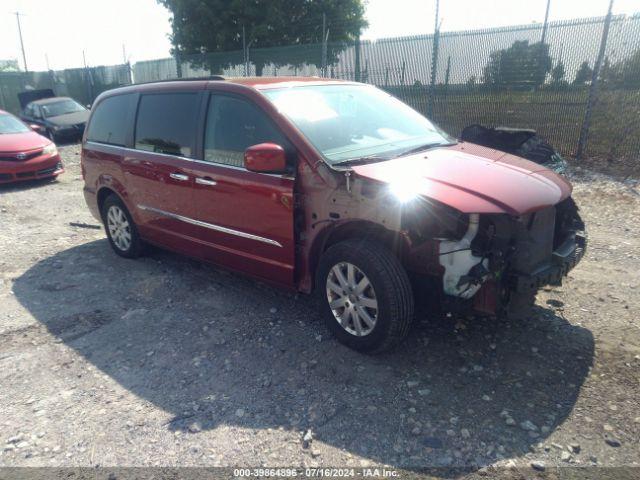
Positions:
(110, 120)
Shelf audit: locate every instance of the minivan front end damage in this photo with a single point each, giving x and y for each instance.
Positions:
(464, 271)
(504, 259)
(490, 248)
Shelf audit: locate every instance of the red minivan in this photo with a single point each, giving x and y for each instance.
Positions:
(327, 186)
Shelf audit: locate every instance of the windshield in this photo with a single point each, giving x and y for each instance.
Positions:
(10, 124)
(349, 122)
(61, 108)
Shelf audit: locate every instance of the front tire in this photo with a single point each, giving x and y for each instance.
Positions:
(366, 297)
(121, 230)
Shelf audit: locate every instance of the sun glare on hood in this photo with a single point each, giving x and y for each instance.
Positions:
(406, 188)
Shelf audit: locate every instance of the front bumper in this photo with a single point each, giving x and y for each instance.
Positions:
(69, 132)
(563, 260)
(33, 169)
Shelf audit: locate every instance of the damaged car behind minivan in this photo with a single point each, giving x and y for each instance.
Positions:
(331, 187)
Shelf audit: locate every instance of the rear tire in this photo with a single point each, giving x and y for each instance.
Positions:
(372, 304)
(121, 230)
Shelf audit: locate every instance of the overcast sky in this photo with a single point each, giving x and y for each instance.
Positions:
(62, 29)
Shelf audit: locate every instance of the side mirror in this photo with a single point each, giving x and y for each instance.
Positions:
(265, 157)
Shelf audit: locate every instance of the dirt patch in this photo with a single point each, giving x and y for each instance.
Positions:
(166, 361)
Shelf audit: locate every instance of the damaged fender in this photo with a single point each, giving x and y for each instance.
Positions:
(464, 272)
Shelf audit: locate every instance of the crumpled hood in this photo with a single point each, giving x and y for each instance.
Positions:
(70, 118)
(472, 179)
(22, 142)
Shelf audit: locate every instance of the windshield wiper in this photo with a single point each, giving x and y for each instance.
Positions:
(361, 160)
(421, 148)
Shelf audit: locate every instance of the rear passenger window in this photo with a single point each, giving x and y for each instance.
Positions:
(233, 125)
(166, 123)
(109, 121)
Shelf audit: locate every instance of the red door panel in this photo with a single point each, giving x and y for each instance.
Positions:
(246, 220)
(161, 191)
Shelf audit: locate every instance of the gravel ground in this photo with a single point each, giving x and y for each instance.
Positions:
(166, 361)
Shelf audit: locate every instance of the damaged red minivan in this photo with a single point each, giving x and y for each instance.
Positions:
(327, 186)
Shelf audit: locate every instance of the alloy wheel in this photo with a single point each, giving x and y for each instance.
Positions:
(119, 228)
(352, 299)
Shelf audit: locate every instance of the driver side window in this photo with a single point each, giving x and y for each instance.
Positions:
(232, 126)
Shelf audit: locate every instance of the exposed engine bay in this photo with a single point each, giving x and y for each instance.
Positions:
(502, 260)
(495, 263)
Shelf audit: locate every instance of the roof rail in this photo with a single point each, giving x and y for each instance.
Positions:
(190, 79)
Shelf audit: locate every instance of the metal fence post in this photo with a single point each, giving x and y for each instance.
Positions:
(52, 80)
(2, 100)
(178, 64)
(593, 89)
(88, 83)
(129, 72)
(434, 64)
(325, 38)
(357, 60)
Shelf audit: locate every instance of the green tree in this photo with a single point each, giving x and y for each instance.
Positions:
(623, 73)
(203, 27)
(472, 81)
(9, 66)
(630, 71)
(521, 65)
(557, 74)
(584, 74)
(610, 73)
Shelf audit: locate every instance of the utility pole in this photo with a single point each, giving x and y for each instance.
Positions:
(24, 56)
(546, 22)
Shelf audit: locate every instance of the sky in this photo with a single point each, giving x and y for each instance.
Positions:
(57, 32)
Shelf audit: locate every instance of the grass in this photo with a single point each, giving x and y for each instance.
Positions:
(557, 116)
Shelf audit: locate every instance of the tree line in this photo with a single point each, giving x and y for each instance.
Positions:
(208, 34)
(525, 64)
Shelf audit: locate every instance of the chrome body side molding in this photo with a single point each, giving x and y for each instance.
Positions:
(211, 226)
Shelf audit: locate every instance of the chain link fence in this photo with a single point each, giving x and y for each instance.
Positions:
(523, 76)
(83, 84)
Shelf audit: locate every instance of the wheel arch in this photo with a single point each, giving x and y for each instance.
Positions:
(107, 185)
(104, 192)
(396, 242)
(102, 195)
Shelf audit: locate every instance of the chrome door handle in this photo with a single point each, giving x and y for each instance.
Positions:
(179, 176)
(206, 181)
